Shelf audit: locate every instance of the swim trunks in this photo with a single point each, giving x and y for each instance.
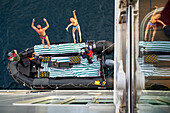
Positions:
(43, 37)
(76, 27)
(151, 24)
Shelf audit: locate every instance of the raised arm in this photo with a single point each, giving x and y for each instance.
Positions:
(74, 14)
(47, 25)
(68, 26)
(33, 20)
(14, 51)
(155, 10)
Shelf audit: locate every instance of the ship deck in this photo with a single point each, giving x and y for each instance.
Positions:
(77, 101)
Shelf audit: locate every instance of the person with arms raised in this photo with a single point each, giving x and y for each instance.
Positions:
(41, 32)
(76, 26)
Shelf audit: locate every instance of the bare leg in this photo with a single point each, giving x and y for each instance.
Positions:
(79, 33)
(146, 32)
(73, 32)
(48, 42)
(154, 32)
(150, 33)
(43, 42)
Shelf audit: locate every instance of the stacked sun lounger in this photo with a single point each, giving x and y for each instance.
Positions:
(84, 69)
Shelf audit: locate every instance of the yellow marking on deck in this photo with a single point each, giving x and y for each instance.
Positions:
(150, 58)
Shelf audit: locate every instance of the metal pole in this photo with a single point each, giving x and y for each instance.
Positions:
(130, 59)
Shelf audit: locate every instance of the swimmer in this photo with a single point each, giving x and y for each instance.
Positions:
(76, 26)
(152, 24)
(41, 32)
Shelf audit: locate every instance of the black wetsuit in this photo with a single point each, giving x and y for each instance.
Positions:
(36, 61)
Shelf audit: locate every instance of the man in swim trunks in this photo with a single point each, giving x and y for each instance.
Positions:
(41, 32)
(152, 24)
(76, 26)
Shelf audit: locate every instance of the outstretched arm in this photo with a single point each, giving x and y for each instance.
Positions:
(45, 28)
(74, 14)
(155, 10)
(33, 20)
(161, 23)
(68, 26)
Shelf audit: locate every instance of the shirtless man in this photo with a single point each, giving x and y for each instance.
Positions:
(152, 24)
(41, 32)
(76, 26)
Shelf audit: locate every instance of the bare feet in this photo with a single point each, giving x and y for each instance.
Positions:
(152, 39)
(75, 41)
(145, 39)
(49, 47)
(80, 40)
(44, 46)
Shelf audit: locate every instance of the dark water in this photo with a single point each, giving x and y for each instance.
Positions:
(95, 18)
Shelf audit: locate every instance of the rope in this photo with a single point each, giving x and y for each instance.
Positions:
(77, 86)
(107, 48)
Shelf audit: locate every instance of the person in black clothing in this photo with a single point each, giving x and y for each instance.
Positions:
(36, 59)
(87, 54)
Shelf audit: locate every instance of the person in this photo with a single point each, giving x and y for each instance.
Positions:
(35, 59)
(76, 26)
(41, 32)
(14, 57)
(152, 24)
(87, 54)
